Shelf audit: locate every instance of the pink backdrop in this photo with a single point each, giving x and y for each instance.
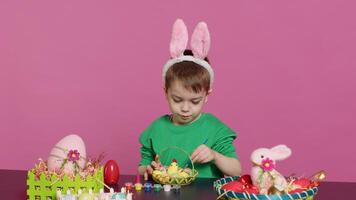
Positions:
(285, 73)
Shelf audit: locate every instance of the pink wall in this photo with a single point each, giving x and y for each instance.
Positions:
(285, 73)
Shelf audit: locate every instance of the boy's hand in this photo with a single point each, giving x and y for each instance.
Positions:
(203, 154)
(156, 164)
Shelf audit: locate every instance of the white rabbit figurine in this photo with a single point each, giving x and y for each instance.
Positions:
(263, 174)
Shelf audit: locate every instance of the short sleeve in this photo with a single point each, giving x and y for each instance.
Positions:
(224, 142)
(146, 147)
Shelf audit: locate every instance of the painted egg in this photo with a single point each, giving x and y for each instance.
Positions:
(252, 189)
(111, 172)
(302, 182)
(238, 186)
(235, 186)
(245, 179)
(71, 150)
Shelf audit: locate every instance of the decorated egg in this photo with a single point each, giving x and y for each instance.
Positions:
(302, 183)
(252, 190)
(242, 185)
(111, 172)
(235, 186)
(67, 155)
(245, 179)
(299, 185)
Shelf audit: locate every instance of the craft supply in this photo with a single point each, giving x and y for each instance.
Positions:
(167, 188)
(138, 184)
(129, 196)
(157, 187)
(176, 188)
(123, 190)
(128, 186)
(147, 187)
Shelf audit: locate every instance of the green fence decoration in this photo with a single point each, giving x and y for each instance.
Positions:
(43, 189)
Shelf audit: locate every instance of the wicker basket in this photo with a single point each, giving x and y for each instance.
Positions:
(307, 195)
(166, 179)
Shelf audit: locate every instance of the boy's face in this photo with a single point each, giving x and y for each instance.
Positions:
(185, 105)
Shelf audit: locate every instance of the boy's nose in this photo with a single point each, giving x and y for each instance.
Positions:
(185, 107)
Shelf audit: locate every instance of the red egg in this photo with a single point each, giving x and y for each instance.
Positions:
(245, 179)
(111, 172)
(303, 182)
(314, 184)
(252, 190)
(235, 186)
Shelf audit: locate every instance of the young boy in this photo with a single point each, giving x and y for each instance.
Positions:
(188, 78)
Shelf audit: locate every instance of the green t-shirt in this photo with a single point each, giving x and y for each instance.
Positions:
(162, 137)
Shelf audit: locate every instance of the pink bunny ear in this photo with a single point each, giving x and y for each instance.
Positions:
(179, 39)
(281, 152)
(200, 41)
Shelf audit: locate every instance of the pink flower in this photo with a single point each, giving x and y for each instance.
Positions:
(73, 155)
(267, 164)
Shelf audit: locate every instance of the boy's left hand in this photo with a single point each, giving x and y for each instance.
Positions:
(203, 154)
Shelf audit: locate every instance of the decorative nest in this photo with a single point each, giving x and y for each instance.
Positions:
(166, 179)
(307, 194)
(181, 177)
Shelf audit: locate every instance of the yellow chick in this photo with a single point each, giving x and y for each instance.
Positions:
(156, 172)
(182, 174)
(173, 168)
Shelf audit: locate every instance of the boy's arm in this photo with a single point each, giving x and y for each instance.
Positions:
(142, 170)
(146, 151)
(222, 153)
(146, 161)
(228, 166)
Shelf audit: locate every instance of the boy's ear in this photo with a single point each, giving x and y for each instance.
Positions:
(164, 90)
(207, 94)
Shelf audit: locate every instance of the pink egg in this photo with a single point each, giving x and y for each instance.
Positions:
(72, 148)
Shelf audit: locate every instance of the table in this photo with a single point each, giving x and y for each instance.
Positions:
(13, 187)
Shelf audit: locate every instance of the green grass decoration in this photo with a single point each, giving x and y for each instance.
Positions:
(44, 189)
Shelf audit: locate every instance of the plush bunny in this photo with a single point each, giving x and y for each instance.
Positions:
(263, 174)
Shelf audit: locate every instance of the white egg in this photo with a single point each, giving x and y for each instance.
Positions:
(60, 152)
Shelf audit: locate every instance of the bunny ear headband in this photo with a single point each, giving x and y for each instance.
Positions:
(200, 44)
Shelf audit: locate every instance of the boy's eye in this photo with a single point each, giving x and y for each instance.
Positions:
(195, 102)
(177, 100)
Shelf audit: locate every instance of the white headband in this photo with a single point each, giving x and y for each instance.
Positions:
(200, 44)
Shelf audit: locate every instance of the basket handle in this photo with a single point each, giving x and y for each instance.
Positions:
(185, 152)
